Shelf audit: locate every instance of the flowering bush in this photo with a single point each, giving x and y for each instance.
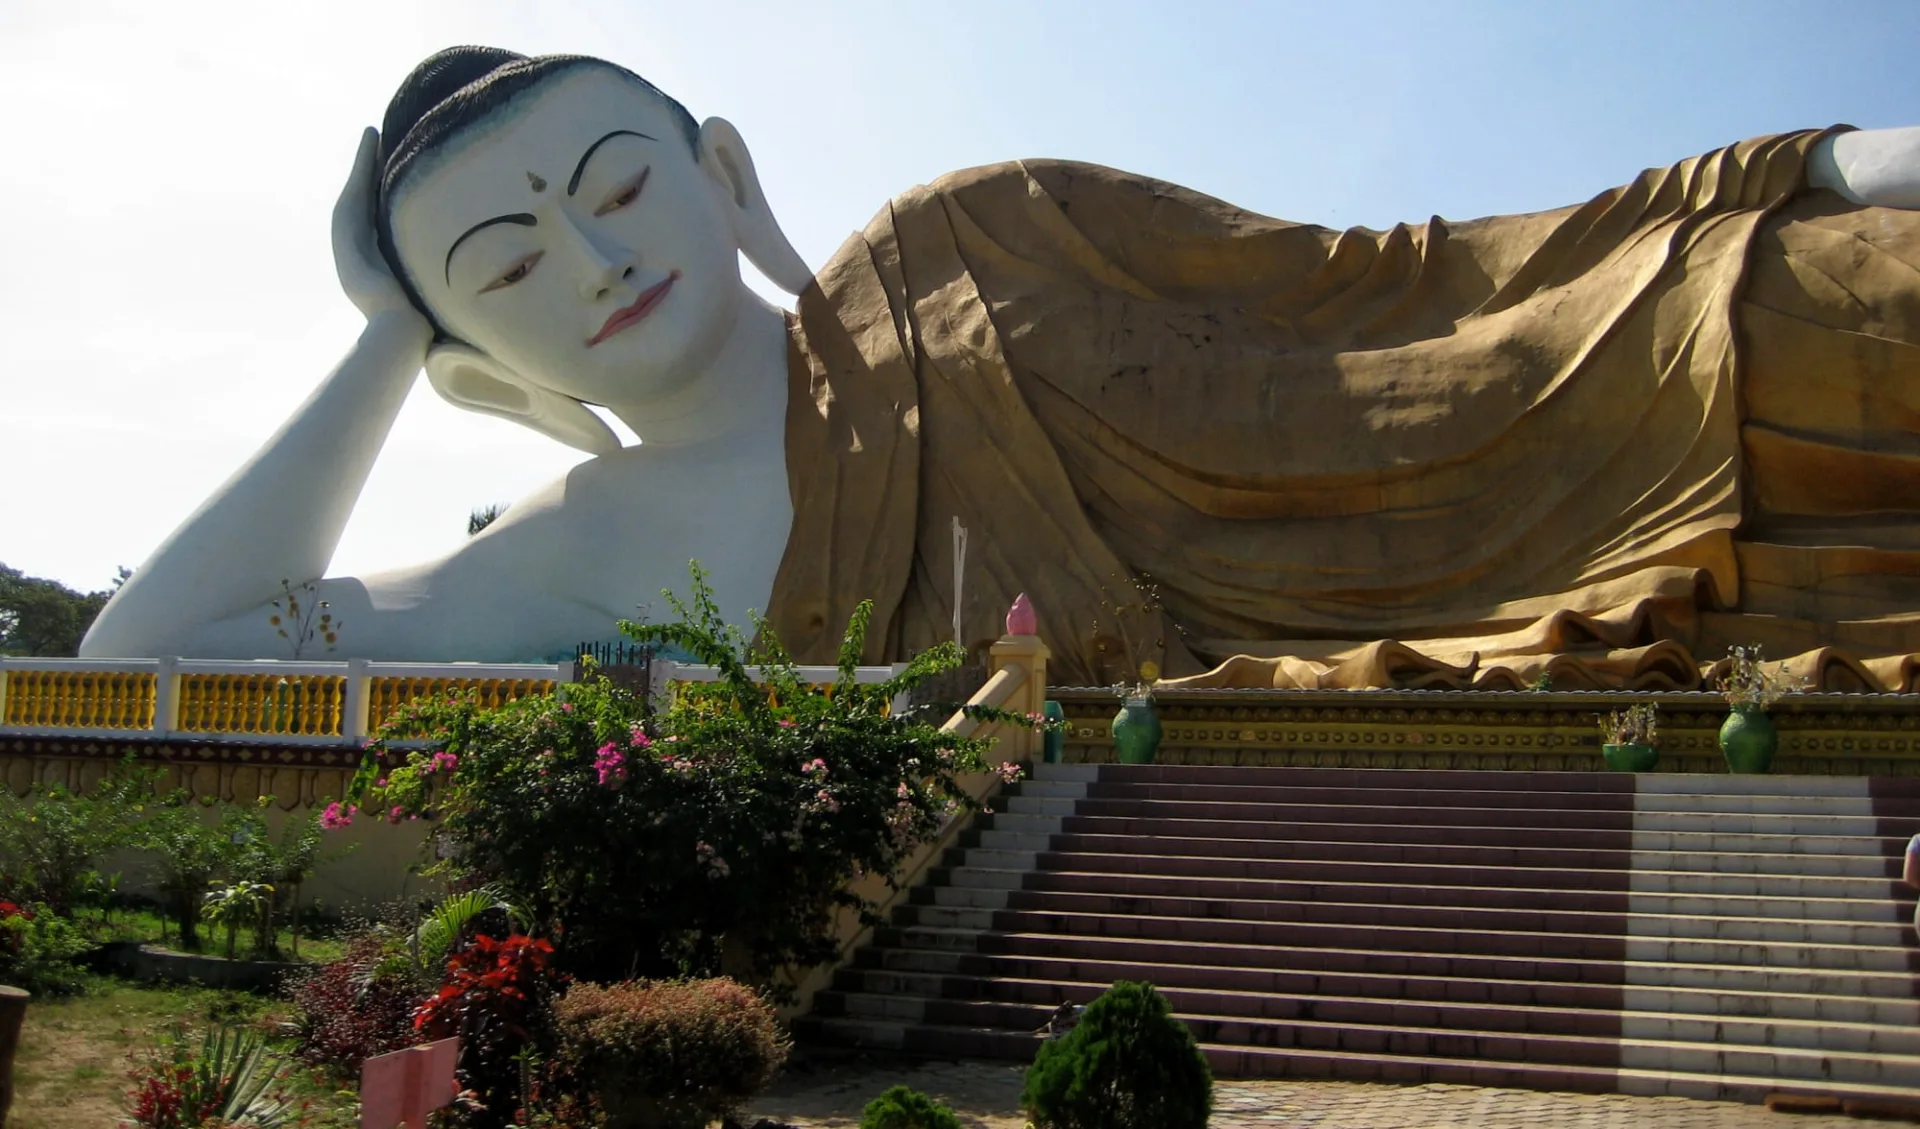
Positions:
(667, 1053)
(351, 1009)
(650, 845)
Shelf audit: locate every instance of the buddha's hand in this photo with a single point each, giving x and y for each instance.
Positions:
(363, 270)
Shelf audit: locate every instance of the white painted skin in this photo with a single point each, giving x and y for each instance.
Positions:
(701, 380)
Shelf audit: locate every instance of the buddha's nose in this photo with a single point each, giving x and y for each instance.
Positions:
(603, 263)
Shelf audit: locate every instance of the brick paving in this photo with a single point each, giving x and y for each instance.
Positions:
(821, 1092)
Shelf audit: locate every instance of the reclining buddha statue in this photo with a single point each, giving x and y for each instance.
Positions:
(1602, 443)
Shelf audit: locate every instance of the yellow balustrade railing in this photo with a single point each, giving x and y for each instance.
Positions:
(306, 705)
(385, 695)
(79, 699)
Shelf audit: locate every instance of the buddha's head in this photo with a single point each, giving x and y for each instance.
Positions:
(572, 233)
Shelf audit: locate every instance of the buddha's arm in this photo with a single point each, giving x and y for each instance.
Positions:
(281, 515)
(1880, 167)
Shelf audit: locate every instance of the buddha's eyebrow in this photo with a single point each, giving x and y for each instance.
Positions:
(521, 218)
(573, 182)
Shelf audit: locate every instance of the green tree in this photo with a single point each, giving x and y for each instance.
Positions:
(45, 617)
(483, 517)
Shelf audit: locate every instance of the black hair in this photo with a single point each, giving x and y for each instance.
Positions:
(450, 93)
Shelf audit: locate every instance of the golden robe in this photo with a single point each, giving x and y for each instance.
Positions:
(1598, 442)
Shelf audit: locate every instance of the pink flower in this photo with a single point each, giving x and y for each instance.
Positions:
(786, 724)
(444, 762)
(827, 801)
(394, 815)
(1009, 771)
(380, 783)
(566, 707)
(610, 764)
(335, 816)
(640, 738)
(903, 791)
(815, 765)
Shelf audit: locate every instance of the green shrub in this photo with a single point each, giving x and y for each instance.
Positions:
(903, 1107)
(52, 843)
(667, 1054)
(37, 950)
(1128, 1064)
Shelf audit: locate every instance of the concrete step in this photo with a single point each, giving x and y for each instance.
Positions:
(1605, 915)
(1881, 886)
(962, 952)
(1050, 982)
(1232, 855)
(1856, 804)
(1466, 940)
(1536, 1056)
(952, 889)
(1862, 822)
(1017, 1009)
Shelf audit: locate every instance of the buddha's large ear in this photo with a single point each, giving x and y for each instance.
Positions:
(468, 378)
(724, 155)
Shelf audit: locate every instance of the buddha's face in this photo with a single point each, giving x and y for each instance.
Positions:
(577, 239)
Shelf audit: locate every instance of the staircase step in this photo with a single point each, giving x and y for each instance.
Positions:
(1603, 914)
(947, 889)
(1049, 981)
(956, 955)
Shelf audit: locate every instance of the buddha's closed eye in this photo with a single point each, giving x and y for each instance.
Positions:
(626, 194)
(515, 273)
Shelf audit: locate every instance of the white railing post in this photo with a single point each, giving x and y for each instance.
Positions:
(166, 695)
(901, 701)
(660, 674)
(356, 702)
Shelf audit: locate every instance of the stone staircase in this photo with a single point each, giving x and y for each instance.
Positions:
(1707, 936)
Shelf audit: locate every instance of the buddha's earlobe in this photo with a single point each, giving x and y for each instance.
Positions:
(723, 154)
(470, 379)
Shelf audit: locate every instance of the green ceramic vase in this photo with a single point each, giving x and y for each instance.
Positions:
(1053, 743)
(1748, 740)
(1136, 731)
(1630, 758)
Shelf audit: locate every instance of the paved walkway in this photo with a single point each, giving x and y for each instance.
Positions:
(828, 1093)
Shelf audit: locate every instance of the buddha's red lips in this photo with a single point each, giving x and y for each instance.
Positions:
(642, 306)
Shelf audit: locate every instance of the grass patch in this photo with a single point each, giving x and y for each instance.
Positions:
(75, 1054)
(144, 924)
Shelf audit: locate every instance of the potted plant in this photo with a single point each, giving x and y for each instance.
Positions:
(1747, 739)
(1131, 619)
(1630, 738)
(1136, 728)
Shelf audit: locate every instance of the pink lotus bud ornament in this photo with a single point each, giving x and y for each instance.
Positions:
(1020, 617)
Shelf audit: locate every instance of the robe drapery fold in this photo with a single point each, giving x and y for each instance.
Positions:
(1593, 443)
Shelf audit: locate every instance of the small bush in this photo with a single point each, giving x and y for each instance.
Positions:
(349, 1010)
(667, 1054)
(1128, 1064)
(903, 1107)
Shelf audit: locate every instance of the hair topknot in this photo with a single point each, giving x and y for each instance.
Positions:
(435, 80)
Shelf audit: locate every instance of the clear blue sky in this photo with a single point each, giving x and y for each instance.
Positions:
(170, 167)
